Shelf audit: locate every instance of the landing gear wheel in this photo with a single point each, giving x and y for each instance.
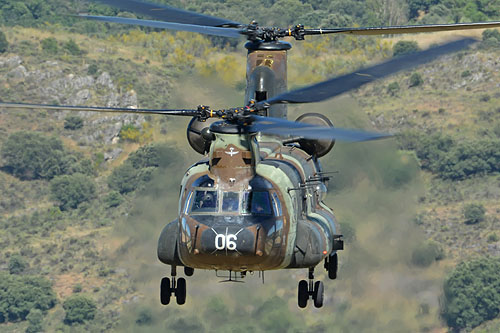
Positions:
(333, 266)
(165, 291)
(180, 291)
(303, 294)
(318, 294)
(188, 271)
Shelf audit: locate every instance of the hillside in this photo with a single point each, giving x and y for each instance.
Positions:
(390, 201)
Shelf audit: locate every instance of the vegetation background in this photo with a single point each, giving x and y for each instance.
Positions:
(84, 196)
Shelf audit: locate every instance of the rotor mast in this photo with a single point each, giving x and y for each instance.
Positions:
(267, 73)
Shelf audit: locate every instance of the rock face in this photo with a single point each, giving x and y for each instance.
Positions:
(50, 83)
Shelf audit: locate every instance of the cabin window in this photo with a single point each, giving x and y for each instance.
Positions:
(204, 202)
(230, 201)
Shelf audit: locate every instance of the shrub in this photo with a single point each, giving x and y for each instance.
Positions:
(404, 47)
(130, 132)
(4, 45)
(473, 213)
(139, 167)
(79, 308)
(31, 155)
(471, 293)
(35, 319)
(416, 80)
(20, 294)
(393, 88)
(426, 253)
(113, 199)
(50, 45)
(17, 264)
(144, 317)
(71, 190)
(73, 122)
(492, 238)
(93, 69)
(72, 48)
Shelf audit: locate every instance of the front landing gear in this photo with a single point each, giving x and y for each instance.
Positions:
(174, 286)
(312, 289)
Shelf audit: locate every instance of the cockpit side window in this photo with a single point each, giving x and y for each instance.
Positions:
(230, 201)
(204, 202)
(276, 205)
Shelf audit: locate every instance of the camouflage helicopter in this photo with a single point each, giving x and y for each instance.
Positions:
(255, 201)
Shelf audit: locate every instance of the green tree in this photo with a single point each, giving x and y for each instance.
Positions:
(4, 44)
(426, 253)
(17, 264)
(35, 319)
(404, 47)
(79, 308)
(73, 122)
(19, 294)
(32, 155)
(393, 88)
(71, 190)
(473, 213)
(471, 293)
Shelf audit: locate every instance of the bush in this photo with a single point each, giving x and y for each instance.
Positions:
(4, 45)
(404, 47)
(17, 264)
(50, 45)
(145, 317)
(113, 199)
(473, 213)
(130, 132)
(79, 308)
(471, 293)
(393, 88)
(73, 122)
(426, 253)
(35, 319)
(20, 294)
(72, 48)
(139, 167)
(492, 238)
(416, 80)
(71, 190)
(31, 155)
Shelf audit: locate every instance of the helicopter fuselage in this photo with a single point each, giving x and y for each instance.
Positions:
(254, 204)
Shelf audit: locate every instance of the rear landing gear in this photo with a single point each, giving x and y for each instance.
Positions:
(311, 289)
(174, 286)
(332, 266)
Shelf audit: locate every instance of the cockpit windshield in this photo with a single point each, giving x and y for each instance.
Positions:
(256, 202)
(230, 201)
(205, 202)
(245, 202)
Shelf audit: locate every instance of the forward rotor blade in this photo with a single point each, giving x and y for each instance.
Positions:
(405, 29)
(168, 112)
(342, 84)
(282, 127)
(215, 31)
(170, 14)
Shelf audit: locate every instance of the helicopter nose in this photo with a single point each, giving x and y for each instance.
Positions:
(229, 240)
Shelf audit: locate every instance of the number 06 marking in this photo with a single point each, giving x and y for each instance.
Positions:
(223, 242)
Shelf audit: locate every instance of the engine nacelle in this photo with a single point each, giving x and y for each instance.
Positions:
(316, 147)
(198, 134)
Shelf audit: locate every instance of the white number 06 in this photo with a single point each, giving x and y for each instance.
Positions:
(223, 242)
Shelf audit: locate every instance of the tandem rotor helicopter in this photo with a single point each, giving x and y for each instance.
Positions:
(255, 200)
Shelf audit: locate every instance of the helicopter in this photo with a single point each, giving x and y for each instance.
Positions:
(254, 202)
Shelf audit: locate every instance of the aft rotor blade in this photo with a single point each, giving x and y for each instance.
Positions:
(405, 29)
(215, 31)
(168, 112)
(342, 84)
(170, 14)
(282, 127)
